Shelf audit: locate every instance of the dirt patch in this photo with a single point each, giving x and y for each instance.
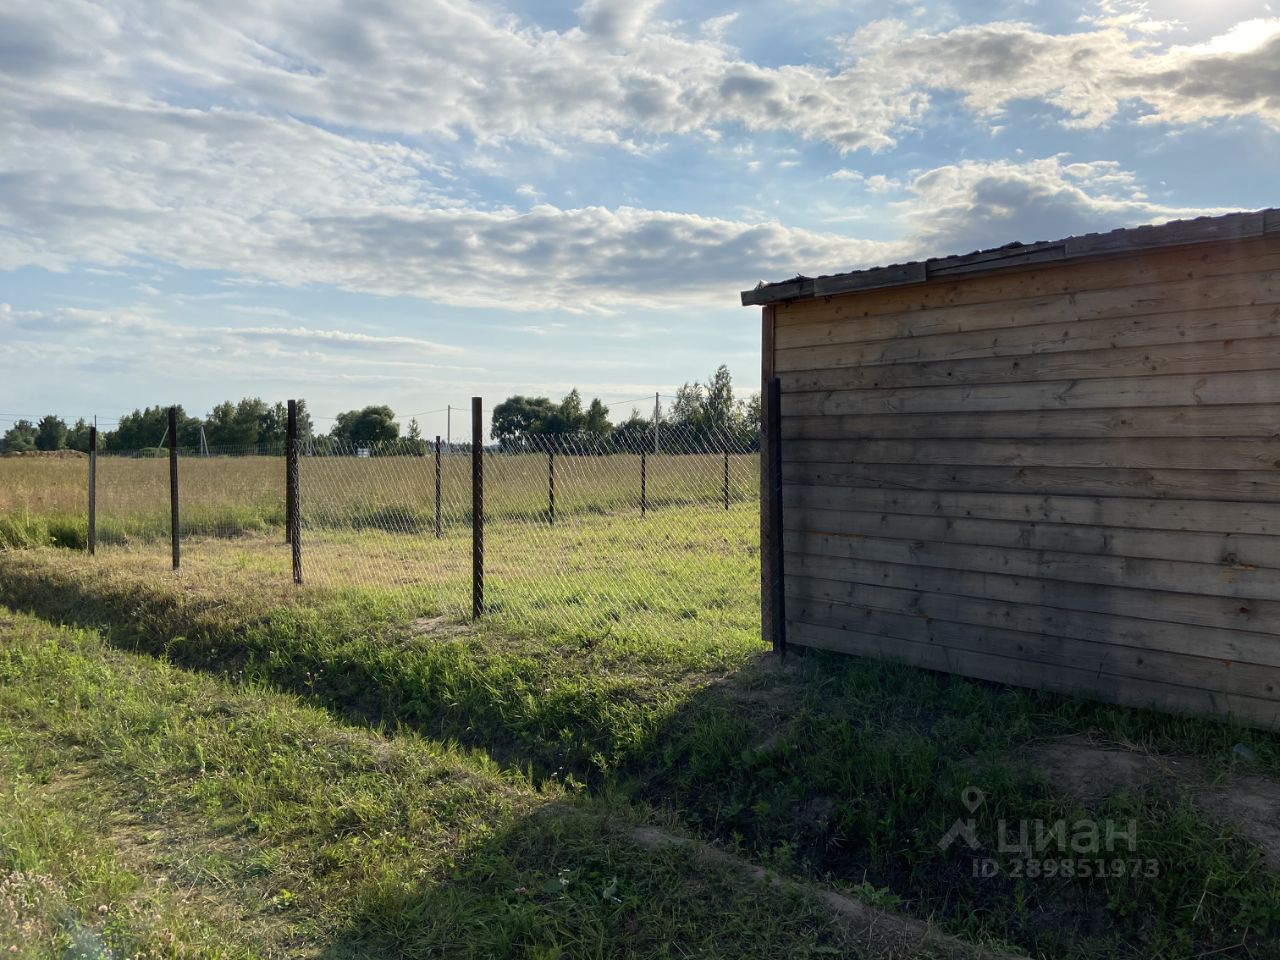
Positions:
(440, 629)
(882, 935)
(1252, 806)
(1090, 773)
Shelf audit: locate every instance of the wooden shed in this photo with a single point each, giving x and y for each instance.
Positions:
(1053, 464)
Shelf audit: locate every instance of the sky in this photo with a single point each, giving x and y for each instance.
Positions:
(414, 202)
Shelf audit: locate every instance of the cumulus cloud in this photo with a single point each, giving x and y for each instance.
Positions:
(285, 202)
(621, 76)
(286, 141)
(971, 205)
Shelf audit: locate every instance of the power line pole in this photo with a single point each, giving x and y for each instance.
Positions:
(657, 413)
(448, 426)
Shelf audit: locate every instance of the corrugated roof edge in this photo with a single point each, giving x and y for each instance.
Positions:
(1230, 226)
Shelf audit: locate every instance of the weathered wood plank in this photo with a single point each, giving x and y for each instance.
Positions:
(1212, 673)
(1206, 516)
(1173, 453)
(1190, 639)
(1224, 485)
(1220, 580)
(1198, 263)
(844, 344)
(844, 582)
(1227, 550)
(1235, 420)
(1250, 387)
(1128, 691)
(1225, 356)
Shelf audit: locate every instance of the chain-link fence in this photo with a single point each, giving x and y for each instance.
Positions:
(593, 534)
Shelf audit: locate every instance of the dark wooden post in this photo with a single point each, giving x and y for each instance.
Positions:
(551, 486)
(644, 494)
(93, 490)
(439, 525)
(777, 582)
(477, 508)
(289, 504)
(293, 507)
(174, 534)
(726, 479)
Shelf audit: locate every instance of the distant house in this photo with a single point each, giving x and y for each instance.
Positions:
(1052, 464)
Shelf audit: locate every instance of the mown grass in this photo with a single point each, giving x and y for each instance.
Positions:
(834, 768)
(159, 813)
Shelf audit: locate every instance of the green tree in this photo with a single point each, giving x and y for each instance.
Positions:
(634, 433)
(20, 438)
(51, 434)
(366, 427)
(147, 427)
(519, 417)
(78, 436)
(596, 423)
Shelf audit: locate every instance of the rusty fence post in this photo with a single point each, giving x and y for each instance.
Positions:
(551, 487)
(293, 505)
(439, 525)
(644, 494)
(174, 528)
(93, 490)
(477, 508)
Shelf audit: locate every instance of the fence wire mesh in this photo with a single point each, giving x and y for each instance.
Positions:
(133, 498)
(582, 534)
(587, 534)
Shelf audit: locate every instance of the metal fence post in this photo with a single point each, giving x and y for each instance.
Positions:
(644, 494)
(93, 490)
(726, 478)
(477, 508)
(439, 527)
(551, 486)
(293, 507)
(174, 533)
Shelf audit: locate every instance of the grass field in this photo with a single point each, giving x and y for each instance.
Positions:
(45, 500)
(346, 769)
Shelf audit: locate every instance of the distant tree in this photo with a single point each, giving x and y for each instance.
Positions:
(415, 442)
(51, 434)
(147, 427)
(519, 417)
(718, 406)
(366, 427)
(78, 436)
(237, 424)
(20, 438)
(596, 422)
(634, 433)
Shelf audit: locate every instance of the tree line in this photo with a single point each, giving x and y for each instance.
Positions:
(250, 422)
(702, 415)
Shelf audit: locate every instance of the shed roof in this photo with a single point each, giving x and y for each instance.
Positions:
(1231, 226)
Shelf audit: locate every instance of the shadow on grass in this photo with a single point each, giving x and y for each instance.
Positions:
(826, 766)
(572, 882)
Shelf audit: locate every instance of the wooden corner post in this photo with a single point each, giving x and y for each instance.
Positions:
(772, 614)
(777, 583)
(477, 508)
(293, 506)
(174, 534)
(93, 490)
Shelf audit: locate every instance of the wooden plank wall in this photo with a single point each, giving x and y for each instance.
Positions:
(1065, 477)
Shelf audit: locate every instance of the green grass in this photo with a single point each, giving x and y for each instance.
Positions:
(161, 813)
(44, 501)
(831, 768)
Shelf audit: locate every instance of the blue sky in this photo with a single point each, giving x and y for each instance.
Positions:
(415, 202)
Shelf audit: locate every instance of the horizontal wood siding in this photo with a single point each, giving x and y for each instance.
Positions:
(1065, 477)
